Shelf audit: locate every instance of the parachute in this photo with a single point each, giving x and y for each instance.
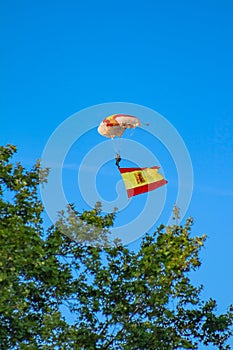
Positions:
(136, 180)
(115, 125)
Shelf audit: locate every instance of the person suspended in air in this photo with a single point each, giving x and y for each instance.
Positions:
(118, 159)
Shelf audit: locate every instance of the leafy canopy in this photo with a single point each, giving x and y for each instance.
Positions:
(118, 298)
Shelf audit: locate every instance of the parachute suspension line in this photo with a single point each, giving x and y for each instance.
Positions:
(116, 144)
(131, 131)
(115, 125)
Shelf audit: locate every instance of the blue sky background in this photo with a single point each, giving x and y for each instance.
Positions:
(175, 57)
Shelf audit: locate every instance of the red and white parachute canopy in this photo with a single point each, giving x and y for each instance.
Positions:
(116, 124)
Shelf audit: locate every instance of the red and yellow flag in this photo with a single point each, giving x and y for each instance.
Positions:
(140, 180)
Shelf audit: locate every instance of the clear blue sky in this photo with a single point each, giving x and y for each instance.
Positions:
(175, 57)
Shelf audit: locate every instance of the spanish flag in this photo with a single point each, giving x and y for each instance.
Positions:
(140, 180)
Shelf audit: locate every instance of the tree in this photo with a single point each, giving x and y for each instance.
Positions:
(119, 299)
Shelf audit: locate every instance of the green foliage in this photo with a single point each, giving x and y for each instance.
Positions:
(119, 299)
(88, 227)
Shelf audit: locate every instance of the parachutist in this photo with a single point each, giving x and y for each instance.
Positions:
(118, 159)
